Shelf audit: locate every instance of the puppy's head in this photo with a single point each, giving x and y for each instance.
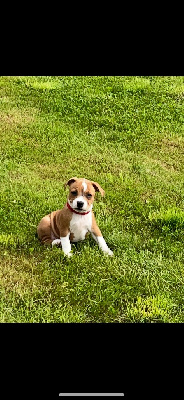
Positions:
(82, 193)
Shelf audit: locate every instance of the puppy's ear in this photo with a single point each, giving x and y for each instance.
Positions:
(71, 180)
(98, 188)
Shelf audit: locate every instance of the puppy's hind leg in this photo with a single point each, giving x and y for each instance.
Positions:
(44, 230)
(56, 242)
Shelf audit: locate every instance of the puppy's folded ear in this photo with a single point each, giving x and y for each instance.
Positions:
(71, 180)
(98, 188)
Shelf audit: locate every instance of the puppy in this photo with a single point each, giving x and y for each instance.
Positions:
(75, 220)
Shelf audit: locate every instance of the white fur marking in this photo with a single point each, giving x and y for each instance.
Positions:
(102, 245)
(84, 186)
(66, 245)
(80, 225)
(56, 242)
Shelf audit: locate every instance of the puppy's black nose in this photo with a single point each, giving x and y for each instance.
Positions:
(80, 204)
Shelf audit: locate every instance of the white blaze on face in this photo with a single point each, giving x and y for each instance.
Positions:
(84, 186)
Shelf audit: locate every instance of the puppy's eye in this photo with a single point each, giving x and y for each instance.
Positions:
(74, 193)
(89, 196)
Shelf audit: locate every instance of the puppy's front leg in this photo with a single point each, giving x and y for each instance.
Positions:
(97, 236)
(66, 245)
(102, 244)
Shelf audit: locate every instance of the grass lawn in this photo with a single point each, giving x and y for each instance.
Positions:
(127, 134)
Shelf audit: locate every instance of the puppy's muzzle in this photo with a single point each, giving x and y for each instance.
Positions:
(80, 205)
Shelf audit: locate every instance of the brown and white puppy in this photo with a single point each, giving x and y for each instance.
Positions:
(75, 220)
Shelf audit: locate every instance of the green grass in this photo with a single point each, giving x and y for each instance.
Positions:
(126, 133)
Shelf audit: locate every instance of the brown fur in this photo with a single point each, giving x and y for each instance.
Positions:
(54, 225)
(95, 229)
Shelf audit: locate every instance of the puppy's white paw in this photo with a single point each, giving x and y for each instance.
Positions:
(70, 254)
(109, 252)
(56, 242)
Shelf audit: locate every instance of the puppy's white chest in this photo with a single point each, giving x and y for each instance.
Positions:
(80, 225)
